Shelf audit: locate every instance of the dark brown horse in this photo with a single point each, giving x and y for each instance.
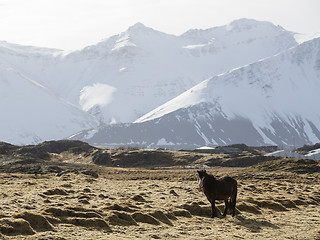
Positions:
(219, 189)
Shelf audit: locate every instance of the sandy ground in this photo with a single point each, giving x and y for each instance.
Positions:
(156, 204)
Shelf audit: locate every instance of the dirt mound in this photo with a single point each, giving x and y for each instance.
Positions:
(161, 217)
(120, 208)
(77, 216)
(174, 193)
(63, 213)
(145, 218)
(248, 208)
(287, 203)
(121, 218)
(138, 198)
(9, 226)
(37, 221)
(195, 209)
(299, 202)
(171, 216)
(56, 191)
(182, 213)
(60, 212)
(90, 212)
(315, 196)
(89, 223)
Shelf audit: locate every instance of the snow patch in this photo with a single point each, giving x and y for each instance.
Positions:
(274, 153)
(205, 148)
(96, 94)
(163, 141)
(313, 152)
(122, 69)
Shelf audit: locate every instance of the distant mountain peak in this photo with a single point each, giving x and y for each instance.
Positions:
(239, 25)
(139, 28)
(247, 24)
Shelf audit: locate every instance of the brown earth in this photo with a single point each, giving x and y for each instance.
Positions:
(66, 196)
(156, 204)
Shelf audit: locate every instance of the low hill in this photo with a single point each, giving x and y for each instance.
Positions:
(59, 156)
(307, 148)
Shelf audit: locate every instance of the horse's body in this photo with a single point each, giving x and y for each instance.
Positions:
(219, 189)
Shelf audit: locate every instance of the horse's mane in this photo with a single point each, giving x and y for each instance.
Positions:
(210, 177)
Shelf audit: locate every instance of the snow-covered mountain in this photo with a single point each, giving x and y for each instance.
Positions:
(127, 75)
(273, 101)
(31, 113)
(121, 78)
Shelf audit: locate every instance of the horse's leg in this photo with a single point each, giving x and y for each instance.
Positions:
(213, 209)
(226, 208)
(233, 209)
(233, 205)
(234, 200)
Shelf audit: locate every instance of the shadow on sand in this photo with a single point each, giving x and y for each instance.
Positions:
(254, 225)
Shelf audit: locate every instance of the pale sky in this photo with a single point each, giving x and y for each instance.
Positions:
(74, 24)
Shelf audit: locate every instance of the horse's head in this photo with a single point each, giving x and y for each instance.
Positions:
(201, 173)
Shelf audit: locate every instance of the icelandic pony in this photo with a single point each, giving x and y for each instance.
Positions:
(218, 189)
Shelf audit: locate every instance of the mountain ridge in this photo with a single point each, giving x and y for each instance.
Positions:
(256, 104)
